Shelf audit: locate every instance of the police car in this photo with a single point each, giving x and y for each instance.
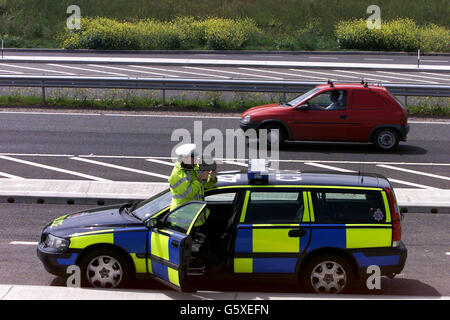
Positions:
(320, 230)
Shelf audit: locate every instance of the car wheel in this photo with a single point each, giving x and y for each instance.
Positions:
(104, 268)
(386, 139)
(274, 134)
(327, 274)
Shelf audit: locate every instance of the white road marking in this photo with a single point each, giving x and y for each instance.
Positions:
(413, 171)
(323, 57)
(37, 69)
(236, 163)
(378, 59)
(53, 168)
(161, 162)
(187, 72)
(330, 75)
(231, 159)
(233, 72)
(392, 180)
(223, 62)
(9, 71)
(413, 75)
(447, 253)
(437, 74)
(121, 167)
(138, 71)
(327, 167)
(164, 115)
(7, 175)
(402, 78)
(440, 61)
(283, 73)
(365, 75)
(268, 56)
(26, 243)
(87, 69)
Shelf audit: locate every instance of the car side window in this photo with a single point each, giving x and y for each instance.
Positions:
(274, 207)
(227, 197)
(330, 100)
(181, 218)
(365, 206)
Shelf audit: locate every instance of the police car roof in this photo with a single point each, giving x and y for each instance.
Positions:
(368, 180)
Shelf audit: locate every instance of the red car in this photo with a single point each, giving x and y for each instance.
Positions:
(334, 112)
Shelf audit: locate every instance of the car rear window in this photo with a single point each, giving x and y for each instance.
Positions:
(274, 207)
(364, 99)
(332, 206)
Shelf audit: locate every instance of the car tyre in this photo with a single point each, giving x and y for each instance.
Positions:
(104, 268)
(327, 274)
(273, 135)
(386, 139)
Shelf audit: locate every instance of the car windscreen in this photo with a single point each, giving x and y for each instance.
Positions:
(302, 97)
(153, 205)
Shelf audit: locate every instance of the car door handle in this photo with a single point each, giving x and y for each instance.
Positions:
(297, 233)
(344, 116)
(174, 243)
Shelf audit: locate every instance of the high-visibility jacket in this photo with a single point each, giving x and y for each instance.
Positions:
(185, 187)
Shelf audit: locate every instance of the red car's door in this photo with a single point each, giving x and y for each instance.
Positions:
(369, 110)
(326, 118)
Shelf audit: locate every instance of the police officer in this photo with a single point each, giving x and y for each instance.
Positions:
(186, 183)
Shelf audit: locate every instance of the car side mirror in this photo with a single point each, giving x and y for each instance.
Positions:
(303, 106)
(153, 223)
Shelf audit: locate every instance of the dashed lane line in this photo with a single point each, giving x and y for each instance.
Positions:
(26, 243)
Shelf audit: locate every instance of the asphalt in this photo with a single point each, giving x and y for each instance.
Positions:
(21, 292)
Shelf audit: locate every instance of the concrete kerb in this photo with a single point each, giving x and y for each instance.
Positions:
(22, 292)
(104, 193)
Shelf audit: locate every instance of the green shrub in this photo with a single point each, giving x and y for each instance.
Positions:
(150, 34)
(396, 35)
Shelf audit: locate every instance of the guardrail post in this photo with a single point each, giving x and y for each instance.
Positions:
(2, 47)
(164, 97)
(43, 94)
(406, 101)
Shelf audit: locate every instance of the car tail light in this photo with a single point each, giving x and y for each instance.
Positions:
(396, 218)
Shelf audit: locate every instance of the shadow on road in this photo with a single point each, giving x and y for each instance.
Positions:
(397, 287)
(332, 147)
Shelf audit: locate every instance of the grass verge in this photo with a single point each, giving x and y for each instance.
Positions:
(210, 101)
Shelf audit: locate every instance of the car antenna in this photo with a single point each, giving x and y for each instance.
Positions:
(363, 155)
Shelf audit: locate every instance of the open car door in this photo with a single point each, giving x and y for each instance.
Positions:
(170, 244)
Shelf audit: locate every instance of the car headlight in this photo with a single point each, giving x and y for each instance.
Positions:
(56, 243)
(246, 119)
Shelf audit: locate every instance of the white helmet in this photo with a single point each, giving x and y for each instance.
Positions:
(185, 152)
